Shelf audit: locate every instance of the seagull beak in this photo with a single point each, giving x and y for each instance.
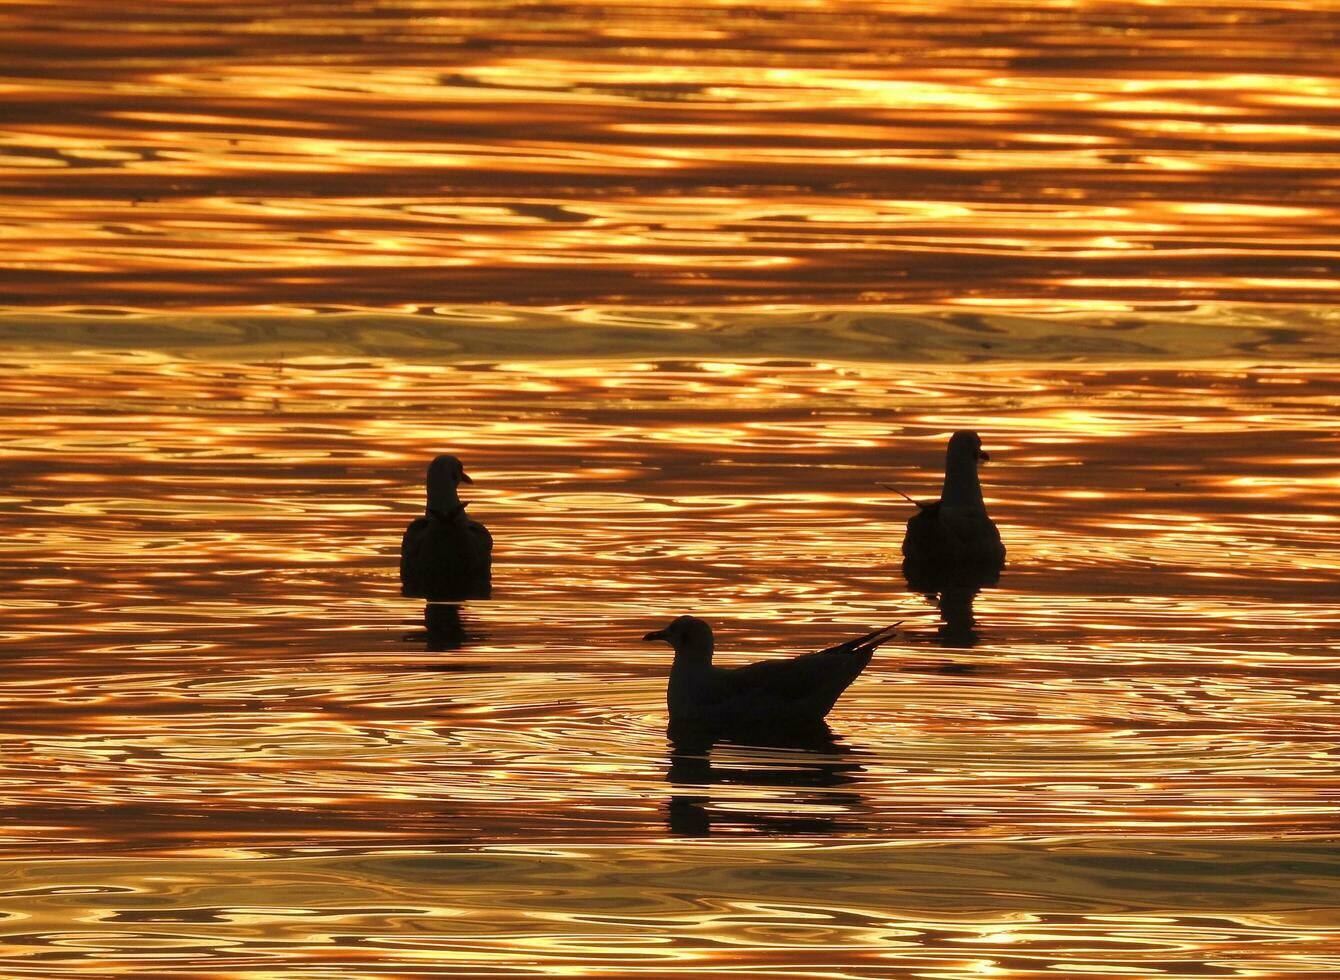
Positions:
(655, 635)
(465, 478)
(982, 455)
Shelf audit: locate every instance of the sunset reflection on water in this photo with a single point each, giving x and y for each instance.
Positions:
(210, 657)
(689, 290)
(233, 154)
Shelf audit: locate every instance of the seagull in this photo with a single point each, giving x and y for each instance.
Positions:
(773, 694)
(445, 555)
(953, 539)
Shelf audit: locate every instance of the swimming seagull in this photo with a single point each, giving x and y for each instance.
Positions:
(773, 694)
(445, 555)
(952, 540)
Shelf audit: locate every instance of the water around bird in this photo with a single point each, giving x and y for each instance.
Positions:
(683, 290)
(230, 743)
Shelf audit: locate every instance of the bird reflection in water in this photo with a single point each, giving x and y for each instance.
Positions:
(443, 628)
(798, 773)
(954, 598)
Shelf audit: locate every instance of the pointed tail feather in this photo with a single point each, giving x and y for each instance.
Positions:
(919, 504)
(867, 643)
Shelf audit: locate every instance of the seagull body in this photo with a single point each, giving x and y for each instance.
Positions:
(953, 538)
(445, 555)
(774, 694)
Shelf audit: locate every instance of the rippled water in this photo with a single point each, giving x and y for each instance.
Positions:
(415, 152)
(685, 288)
(232, 747)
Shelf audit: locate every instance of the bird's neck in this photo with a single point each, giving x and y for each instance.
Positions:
(454, 516)
(443, 499)
(692, 658)
(961, 488)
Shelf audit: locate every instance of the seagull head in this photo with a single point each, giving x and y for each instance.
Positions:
(689, 635)
(446, 471)
(444, 474)
(966, 445)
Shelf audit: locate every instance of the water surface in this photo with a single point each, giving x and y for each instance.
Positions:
(684, 289)
(236, 746)
(417, 152)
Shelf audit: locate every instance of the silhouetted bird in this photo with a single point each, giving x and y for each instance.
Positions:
(952, 541)
(445, 555)
(773, 694)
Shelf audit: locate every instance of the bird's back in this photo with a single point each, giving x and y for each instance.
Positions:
(446, 558)
(924, 535)
(945, 544)
(972, 533)
(772, 693)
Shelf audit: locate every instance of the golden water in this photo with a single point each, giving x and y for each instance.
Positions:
(253, 267)
(415, 152)
(235, 747)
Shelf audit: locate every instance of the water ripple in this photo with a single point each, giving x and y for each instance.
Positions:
(423, 153)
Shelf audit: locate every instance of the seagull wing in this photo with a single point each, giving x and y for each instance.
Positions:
(483, 541)
(443, 559)
(805, 677)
